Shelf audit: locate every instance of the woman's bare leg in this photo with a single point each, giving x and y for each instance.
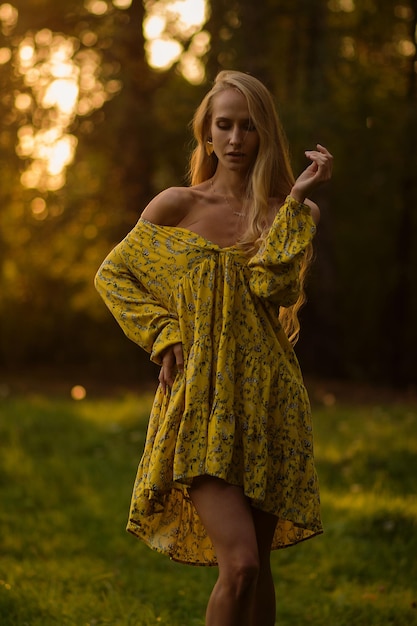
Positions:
(227, 517)
(264, 609)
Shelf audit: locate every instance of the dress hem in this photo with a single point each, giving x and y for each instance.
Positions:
(134, 529)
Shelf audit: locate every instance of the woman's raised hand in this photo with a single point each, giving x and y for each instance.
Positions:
(317, 173)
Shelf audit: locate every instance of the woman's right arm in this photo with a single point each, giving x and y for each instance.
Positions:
(143, 319)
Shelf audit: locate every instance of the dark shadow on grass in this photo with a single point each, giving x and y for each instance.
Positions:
(14, 612)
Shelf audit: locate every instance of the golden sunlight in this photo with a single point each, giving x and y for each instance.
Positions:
(23, 101)
(51, 152)
(78, 392)
(64, 82)
(96, 7)
(8, 17)
(122, 4)
(406, 47)
(162, 53)
(189, 13)
(5, 55)
(26, 53)
(166, 26)
(61, 93)
(346, 6)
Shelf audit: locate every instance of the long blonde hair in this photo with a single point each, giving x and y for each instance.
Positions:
(271, 175)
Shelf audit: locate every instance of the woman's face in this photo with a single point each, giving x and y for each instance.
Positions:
(235, 139)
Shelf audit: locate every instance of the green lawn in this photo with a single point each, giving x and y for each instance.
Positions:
(67, 469)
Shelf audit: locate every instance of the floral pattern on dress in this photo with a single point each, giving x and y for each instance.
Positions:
(240, 410)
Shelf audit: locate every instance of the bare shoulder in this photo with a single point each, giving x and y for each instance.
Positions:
(314, 208)
(169, 207)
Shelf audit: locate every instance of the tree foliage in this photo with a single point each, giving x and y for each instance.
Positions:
(343, 73)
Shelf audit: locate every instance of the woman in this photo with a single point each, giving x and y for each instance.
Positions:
(227, 472)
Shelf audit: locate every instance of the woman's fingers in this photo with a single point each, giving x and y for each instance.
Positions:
(165, 374)
(320, 171)
(172, 362)
(323, 160)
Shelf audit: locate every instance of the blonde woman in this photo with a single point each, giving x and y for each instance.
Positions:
(209, 283)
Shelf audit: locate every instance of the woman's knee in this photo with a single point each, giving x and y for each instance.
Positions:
(241, 573)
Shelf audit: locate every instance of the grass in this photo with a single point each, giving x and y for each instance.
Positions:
(66, 475)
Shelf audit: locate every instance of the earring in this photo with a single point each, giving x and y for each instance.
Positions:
(209, 147)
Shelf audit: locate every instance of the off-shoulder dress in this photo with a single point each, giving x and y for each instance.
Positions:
(240, 410)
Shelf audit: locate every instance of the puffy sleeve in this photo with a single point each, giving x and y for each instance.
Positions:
(275, 268)
(127, 289)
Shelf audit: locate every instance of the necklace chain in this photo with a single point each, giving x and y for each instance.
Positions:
(238, 213)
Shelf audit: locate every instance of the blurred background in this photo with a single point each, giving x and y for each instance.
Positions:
(96, 97)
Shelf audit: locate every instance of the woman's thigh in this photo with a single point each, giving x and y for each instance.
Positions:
(228, 518)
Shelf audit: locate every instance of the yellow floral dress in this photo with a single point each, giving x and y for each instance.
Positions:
(239, 411)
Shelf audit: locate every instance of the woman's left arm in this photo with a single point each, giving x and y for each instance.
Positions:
(276, 265)
(275, 268)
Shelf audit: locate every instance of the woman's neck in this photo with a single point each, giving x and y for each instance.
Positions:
(230, 184)
(226, 187)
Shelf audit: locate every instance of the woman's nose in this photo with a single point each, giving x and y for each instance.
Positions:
(236, 136)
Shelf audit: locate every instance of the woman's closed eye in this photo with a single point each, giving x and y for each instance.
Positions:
(246, 125)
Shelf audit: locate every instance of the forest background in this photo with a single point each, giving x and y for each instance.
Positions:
(95, 103)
